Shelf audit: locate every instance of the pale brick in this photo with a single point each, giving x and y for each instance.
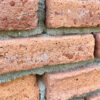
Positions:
(28, 53)
(24, 88)
(65, 85)
(18, 14)
(72, 13)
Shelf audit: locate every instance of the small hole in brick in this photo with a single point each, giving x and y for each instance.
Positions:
(80, 49)
(84, 6)
(76, 79)
(12, 3)
(69, 56)
(75, 21)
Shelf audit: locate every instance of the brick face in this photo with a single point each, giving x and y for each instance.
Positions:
(23, 54)
(65, 85)
(72, 13)
(24, 88)
(18, 14)
(94, 97)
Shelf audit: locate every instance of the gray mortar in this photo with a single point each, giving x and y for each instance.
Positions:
(71, 31)
(40, 71)
(41, 29)
(28, 33)
(97, 92)
(42, 88)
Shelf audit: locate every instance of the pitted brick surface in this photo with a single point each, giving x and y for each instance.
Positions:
(24, 88)
(66, 85)
(28, 53)
(72, 13)
(18, 14)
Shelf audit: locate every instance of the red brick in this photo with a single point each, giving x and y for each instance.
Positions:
(18, 14)
(97, 47)
(94, 97)
(24, 88)
(23, 54)
(72, 13)
(65, 85)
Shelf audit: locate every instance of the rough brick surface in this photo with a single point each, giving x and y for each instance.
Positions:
(97, 47)
(24, 88)
(72, 13)
(65, 85)
(18, 14)
(94, 97)
(23, 54)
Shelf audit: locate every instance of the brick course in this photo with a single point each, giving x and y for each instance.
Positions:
(28, 53)
(72, 13)
(65, 85)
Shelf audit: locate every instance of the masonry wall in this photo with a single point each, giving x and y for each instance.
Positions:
(49, 49)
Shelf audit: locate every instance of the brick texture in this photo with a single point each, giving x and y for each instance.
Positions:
(97, 47)
(94, 97)
(18, 14)
(23, 54)
(72, 13)
(24, 88)
(65, 85)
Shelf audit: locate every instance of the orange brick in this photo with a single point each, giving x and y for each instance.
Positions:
(18, 14)
(24, 88)
(65, 85)
(94, 97)
(23, 54)
(72, 13)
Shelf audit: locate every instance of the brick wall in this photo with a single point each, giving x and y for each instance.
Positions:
(49, 50)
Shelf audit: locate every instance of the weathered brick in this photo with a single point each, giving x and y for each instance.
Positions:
(72, 13)
(97, 47)
(24, 88)
(94, 97)
(18, 14)
(23, 54)
(65, 85)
